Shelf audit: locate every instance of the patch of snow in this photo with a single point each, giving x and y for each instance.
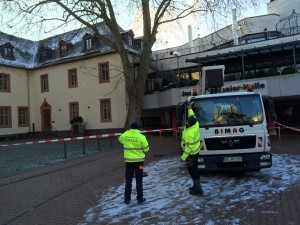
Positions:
(26, 52)
(168, 200)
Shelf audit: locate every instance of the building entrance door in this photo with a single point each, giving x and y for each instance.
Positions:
(46, 124)
(46, 120)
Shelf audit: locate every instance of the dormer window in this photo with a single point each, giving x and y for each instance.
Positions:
(128, 37)
(130, 40)
(45, 53)
(8, 51)
(64, 48)
(138, 43)
(142, 45)
(89, 41)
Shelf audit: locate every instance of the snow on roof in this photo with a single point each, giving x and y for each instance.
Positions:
(27, 55)
(168, 200)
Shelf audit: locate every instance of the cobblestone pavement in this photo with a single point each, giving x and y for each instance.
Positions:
(62, 192)
(25, 158)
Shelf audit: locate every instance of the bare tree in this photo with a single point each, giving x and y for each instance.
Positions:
(90, 12)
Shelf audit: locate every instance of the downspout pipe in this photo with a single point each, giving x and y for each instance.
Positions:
(28, 100)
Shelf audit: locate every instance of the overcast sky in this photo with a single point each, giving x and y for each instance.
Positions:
(169, 35)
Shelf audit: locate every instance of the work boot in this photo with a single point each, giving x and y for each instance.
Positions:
(192, 187)
(141, 201)
(197, 188)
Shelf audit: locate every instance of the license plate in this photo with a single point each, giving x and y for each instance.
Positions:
(233, 159)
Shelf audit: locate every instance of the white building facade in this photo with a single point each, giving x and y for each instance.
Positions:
(47, 84)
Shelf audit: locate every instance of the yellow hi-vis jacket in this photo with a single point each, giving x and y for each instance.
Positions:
(190, 141)
(135, 145)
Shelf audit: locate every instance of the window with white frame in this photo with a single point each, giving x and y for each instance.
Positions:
(23, 116)
(130, 41)
(74, 109)
(72, 78)
(104, 72)
(5, 116)
(8, 52)
(105, 109)
(44, 83)
(4, 82)
(63, 49)
(88, 43)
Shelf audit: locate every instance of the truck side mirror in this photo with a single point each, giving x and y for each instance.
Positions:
(274, 117)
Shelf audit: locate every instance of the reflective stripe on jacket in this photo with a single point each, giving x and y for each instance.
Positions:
(190, 141)
(135, 145)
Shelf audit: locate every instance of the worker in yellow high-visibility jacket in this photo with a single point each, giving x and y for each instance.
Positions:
(135, 145)
(190, 144)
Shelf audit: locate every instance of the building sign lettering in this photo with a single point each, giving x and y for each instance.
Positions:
(243, 87)
(260, 86)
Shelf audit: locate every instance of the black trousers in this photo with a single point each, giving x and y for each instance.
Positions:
(131, 169)
(192, 163)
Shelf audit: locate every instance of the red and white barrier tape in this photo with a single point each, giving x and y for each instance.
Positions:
(292, 128)
(79, 138)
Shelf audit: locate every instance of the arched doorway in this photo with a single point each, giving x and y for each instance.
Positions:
(46, 124)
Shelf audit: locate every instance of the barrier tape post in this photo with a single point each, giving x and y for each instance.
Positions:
(65, 150)
(177, 133)
(98, 144)
(279, 134)
(83, 147)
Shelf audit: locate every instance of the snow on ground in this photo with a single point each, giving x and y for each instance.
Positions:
(168, 200)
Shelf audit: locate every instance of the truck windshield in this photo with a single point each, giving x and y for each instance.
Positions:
(229, 110)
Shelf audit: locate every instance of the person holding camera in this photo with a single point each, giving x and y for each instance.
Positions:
(190, 144)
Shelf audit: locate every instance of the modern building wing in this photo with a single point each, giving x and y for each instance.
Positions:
(275, 53)
(266, 52)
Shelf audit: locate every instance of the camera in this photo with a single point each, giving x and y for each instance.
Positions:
(189, 103)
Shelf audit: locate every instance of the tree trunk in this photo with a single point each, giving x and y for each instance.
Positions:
(135, 90)
(135, 105)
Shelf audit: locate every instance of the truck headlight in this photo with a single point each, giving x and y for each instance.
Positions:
(265, 157)
(200, 160)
